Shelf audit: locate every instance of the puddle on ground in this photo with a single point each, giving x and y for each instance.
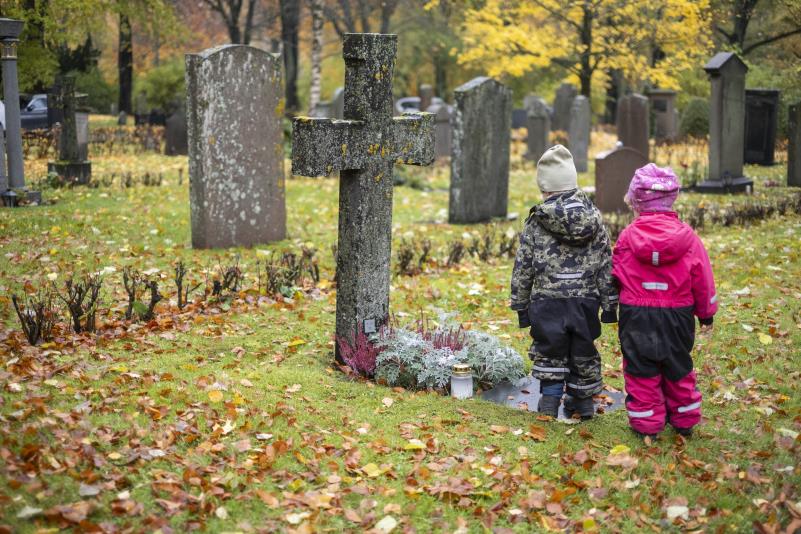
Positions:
(525, 395)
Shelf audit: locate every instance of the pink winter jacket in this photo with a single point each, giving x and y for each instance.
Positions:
(659, 261)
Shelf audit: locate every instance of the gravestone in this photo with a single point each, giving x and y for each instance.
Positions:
(72, 166)
(761, 120)
(613, 173)
(337, 109)
(794, 146)
(633, 123)
(82, 132)
(175, 137)
(442, 129)
(726, 125)
(663, 108)
(426, 94)
(234, 105)
(562, 105)
(122, 118)
(364, 148)
(141, 110)
(480, 153)
(538, 123)
(579, 132)
(519, 118)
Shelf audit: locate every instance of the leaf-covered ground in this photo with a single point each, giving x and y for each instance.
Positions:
(230, 417)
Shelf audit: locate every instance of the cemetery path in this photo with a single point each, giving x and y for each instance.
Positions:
(233, 419)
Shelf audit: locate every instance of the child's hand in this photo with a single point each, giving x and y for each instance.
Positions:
(706, 330)
(522, 319)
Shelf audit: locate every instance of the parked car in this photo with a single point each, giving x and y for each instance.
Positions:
(34, 115)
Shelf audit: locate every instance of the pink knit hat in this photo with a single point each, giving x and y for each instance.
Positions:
(653, 189)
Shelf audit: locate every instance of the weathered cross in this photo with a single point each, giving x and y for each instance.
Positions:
(363, 147)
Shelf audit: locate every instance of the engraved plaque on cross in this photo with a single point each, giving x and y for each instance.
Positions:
(363, 147)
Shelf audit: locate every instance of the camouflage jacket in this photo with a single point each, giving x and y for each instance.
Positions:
(564, 252)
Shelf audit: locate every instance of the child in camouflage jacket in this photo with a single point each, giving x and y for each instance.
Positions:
(562, 276)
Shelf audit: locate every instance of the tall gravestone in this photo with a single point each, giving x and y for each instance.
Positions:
(538, 124)
(562, 105)
(442, 129)
(175, 136)
(761, 121)
(613, 173)
(579, 132)
(72, 166)
(633, 125)
(663, 109)
(364, 148)
(726, 125)
(235, 105)
(794, 146)
(480, 154)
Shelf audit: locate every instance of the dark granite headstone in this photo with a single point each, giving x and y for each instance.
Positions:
(175, 136)
(122, 118)
(726, 125)
(794, 146)
(579, 132)
(480, 155)
(364, 148)
(562, 105)
(538, 124)
(234, 105)
(442, 129)
(633, 122)
(519, 117)
(761, 120)
(613, 173)
(524, 394)
(72, 166)
(663, 110)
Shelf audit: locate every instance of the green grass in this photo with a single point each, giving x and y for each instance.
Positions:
(149, 389)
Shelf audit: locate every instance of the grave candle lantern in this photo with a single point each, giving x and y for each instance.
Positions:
(461, 381)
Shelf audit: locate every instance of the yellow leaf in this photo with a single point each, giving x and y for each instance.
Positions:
(372, 470)
(414, 445)
(295, 342)
(589, 524)
(765, 339)
(215, 395)
(619, 449)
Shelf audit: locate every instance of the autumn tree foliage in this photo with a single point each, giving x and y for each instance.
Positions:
(649, 42)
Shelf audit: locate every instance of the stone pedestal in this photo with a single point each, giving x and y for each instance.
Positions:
(71, 172)
(726, 125)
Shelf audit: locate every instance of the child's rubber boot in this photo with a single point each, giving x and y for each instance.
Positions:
(549, 405)
(584, 408)
(643, 435)
(684, 432)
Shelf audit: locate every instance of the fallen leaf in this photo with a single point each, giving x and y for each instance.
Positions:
(386, 401)
(414, 445)
(765, 339)
(28, 512)
(215, 395)
(386, 525)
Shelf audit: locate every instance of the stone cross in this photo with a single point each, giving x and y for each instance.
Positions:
(363, 147)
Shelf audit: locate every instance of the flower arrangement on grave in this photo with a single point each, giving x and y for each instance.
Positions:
(422, 356)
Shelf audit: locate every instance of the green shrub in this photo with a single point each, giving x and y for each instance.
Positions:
(695, 119)
(100, 93)
(163, 86)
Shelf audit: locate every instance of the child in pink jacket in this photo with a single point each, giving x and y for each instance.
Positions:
(665, 281)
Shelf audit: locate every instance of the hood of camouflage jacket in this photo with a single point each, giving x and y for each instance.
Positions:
(570, 217)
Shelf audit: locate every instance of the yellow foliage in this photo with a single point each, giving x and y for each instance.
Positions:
(510, 38)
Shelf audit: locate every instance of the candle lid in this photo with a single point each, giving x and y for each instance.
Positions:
(462, 369)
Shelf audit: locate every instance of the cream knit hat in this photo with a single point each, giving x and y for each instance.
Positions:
(556, 171)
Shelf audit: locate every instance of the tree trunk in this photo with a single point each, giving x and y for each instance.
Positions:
(125, 64)
(585, 74)
(249, 21)
(441, 73)
(613, 93)
(290, 21)
(316, 54)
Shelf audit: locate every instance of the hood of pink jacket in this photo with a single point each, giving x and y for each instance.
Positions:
(659, 238)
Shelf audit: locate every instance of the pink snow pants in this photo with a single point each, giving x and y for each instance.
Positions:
(650, 400)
